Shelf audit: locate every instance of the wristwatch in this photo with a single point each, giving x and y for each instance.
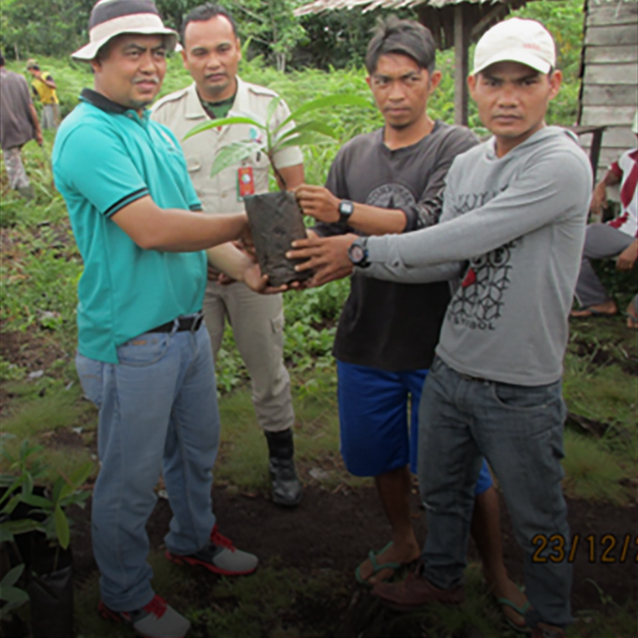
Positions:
(346, 207)
(358, 252)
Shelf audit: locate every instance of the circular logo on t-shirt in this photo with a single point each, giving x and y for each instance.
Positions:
(391, 196)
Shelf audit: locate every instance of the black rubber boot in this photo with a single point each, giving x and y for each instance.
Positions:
(286, 488)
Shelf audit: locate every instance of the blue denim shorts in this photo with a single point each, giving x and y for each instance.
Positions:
(373, 414)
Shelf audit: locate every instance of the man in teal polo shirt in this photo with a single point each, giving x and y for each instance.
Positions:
(144, 357)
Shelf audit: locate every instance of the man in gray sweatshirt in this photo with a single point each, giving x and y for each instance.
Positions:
(512, 229)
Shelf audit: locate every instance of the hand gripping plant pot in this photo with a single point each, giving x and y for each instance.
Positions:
(275, 218)
(275, 222)
(35, 557)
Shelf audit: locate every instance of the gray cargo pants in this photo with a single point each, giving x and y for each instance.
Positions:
(601, 242)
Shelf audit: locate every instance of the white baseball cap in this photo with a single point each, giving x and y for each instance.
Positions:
(516, 40)
(110, 18)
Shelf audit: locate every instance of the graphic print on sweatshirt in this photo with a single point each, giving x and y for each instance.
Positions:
(479, 300)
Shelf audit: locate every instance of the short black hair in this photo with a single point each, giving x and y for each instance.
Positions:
(203, 13)
(406, 37)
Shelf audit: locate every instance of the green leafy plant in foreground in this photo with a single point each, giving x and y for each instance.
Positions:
(278, 137)
(13, 596)
(47, 515)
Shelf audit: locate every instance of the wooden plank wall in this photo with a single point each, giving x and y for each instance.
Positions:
(609, 92)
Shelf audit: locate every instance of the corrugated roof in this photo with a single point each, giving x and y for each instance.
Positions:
(369, 5)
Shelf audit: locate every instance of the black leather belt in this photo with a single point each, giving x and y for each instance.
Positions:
(191, 323)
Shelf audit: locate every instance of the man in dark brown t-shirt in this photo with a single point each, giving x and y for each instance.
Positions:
(18, 124)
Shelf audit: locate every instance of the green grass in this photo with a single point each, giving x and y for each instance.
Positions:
(53, 411)
(243, 456)
(592, 473)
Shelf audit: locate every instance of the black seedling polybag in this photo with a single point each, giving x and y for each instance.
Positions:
(275, 222)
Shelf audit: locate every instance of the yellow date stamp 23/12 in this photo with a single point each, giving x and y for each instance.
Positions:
(608, 548)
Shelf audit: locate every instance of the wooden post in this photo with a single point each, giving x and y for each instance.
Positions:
(461, 45)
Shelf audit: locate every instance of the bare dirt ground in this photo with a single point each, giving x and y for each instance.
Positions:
(336, 530)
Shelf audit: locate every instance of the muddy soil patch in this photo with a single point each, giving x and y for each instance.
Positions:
(335, 531)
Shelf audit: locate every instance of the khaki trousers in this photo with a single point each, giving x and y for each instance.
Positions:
(258, 323)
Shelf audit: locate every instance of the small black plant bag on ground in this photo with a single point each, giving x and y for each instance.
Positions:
(276, 221)
(50, 589)
(48, 578)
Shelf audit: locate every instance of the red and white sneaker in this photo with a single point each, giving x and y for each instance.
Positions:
(155, 620)
(219, 556)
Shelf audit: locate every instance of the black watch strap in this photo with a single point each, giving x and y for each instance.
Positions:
(346, 208)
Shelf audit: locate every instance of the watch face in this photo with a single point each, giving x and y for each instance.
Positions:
(346, 207)
(357, 254)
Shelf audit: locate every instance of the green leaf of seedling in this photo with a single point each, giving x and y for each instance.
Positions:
(303, 139)
(6, 536)
(312, 126)
(76, 480)
(62, 527)
(77, 498)
(23, 526)
(60, 482)
(272, 105)
(37, 501)
(27, 488)
(81, 473)
(11, 577)
(11, 489)
(325, 102)
(14, 598)
(225, 121)
(12, 504)
(233, 154)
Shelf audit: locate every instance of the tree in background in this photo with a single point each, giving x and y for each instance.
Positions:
(270, 25)
(339, 39)
(31, 27)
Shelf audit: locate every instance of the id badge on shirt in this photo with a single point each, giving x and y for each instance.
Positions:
(245, 182)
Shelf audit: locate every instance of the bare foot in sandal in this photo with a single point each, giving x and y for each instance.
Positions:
(381, 565)
(513, 603)
(606, 309)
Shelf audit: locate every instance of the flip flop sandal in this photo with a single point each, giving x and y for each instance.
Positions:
(521, 629)
(376, 567)
(632, 321)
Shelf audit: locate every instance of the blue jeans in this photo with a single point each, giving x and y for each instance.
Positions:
(519, 430)
(158, 413)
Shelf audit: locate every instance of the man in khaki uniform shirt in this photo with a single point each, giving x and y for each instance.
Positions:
(211, 54)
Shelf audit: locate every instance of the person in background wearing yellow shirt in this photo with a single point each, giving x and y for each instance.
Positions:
(45, 89)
